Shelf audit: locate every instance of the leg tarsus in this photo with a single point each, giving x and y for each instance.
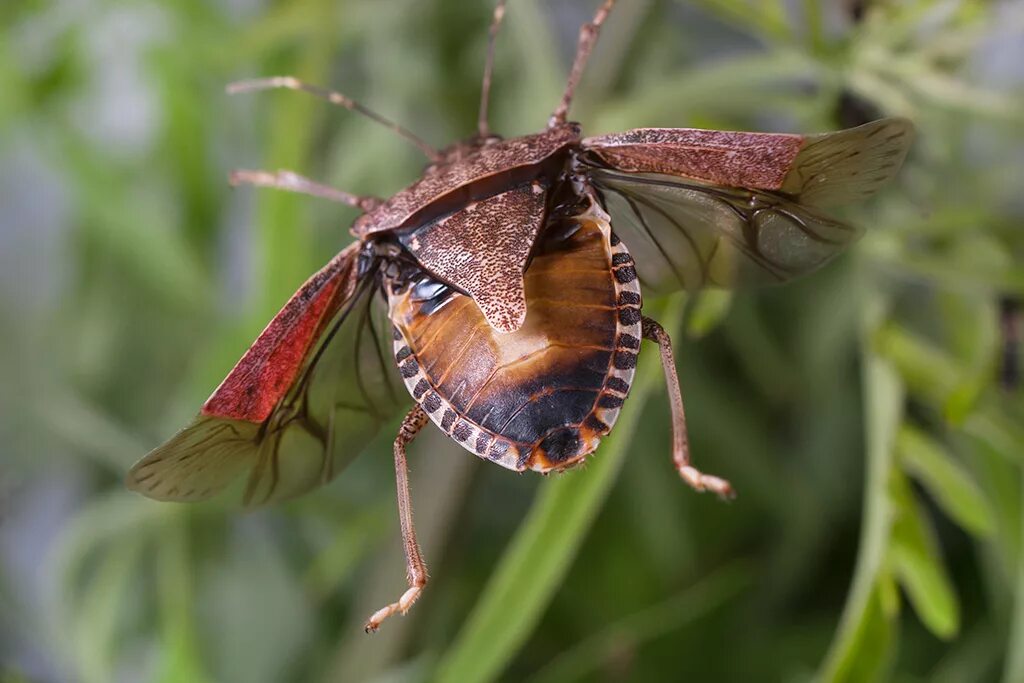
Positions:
(706, 482)
(680, 440)
(402, 606)
(415, 568)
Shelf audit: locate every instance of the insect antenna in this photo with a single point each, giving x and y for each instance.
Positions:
(588, 37)
(336, 98)
(483, 129)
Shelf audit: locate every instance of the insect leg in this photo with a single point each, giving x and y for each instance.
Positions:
(680, 441)
(588, 37)
(415, 568)
(293, 182)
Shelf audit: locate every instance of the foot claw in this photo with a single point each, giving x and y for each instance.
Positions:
(379, 616)
(403, 605)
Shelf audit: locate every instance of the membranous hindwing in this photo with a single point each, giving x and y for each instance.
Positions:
(350, 390)
(730, 209)
(542, 396)
(310, 393)
(688, 235)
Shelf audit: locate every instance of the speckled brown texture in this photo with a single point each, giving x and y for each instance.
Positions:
(541, 397)
(502, 156)
(754, 160)
(483, 250)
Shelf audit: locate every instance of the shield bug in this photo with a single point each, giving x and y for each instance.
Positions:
(505, 285)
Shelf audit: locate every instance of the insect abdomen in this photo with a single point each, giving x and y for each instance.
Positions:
(540, 397)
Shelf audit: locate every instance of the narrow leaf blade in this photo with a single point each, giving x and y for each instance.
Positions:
(948, 482)
(543, 549)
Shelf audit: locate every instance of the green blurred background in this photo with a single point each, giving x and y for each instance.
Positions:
(879, 525)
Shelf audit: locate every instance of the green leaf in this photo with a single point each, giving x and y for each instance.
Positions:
(869, 645)
(544, 546)
(857, 651)
(180, 654)
(118, 219)
(916, 562)
(948, 482)
(971, 325)
(889, 593)
(1015, 647)
(1001, 435)
(105, 596)
(93, 561)
(687, 606)
(927, 370)
(998, 475)
(760, 18)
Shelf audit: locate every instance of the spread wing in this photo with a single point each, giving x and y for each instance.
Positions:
(704, 208)
(306, 398)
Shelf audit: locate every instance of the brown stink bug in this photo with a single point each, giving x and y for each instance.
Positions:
(512, 273)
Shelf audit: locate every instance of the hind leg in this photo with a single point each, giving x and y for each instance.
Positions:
(415, 568)
(680, 441)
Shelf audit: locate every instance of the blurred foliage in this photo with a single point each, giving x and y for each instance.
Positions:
(878, 530)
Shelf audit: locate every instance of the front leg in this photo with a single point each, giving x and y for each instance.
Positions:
(289, 181)
(415, 568)
(680, 441)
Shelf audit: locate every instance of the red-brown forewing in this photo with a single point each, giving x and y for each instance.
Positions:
(267, 370)
(692, 222)
(307, 396)
(735, 159)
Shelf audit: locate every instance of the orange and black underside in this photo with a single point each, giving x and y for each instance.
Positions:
(540, 397)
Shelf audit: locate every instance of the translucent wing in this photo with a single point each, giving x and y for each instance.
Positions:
(306, 398)
(684, 235)
(689, 232)
(849, 165)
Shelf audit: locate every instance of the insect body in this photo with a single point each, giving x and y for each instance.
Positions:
(504, 289)
(539, 397)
